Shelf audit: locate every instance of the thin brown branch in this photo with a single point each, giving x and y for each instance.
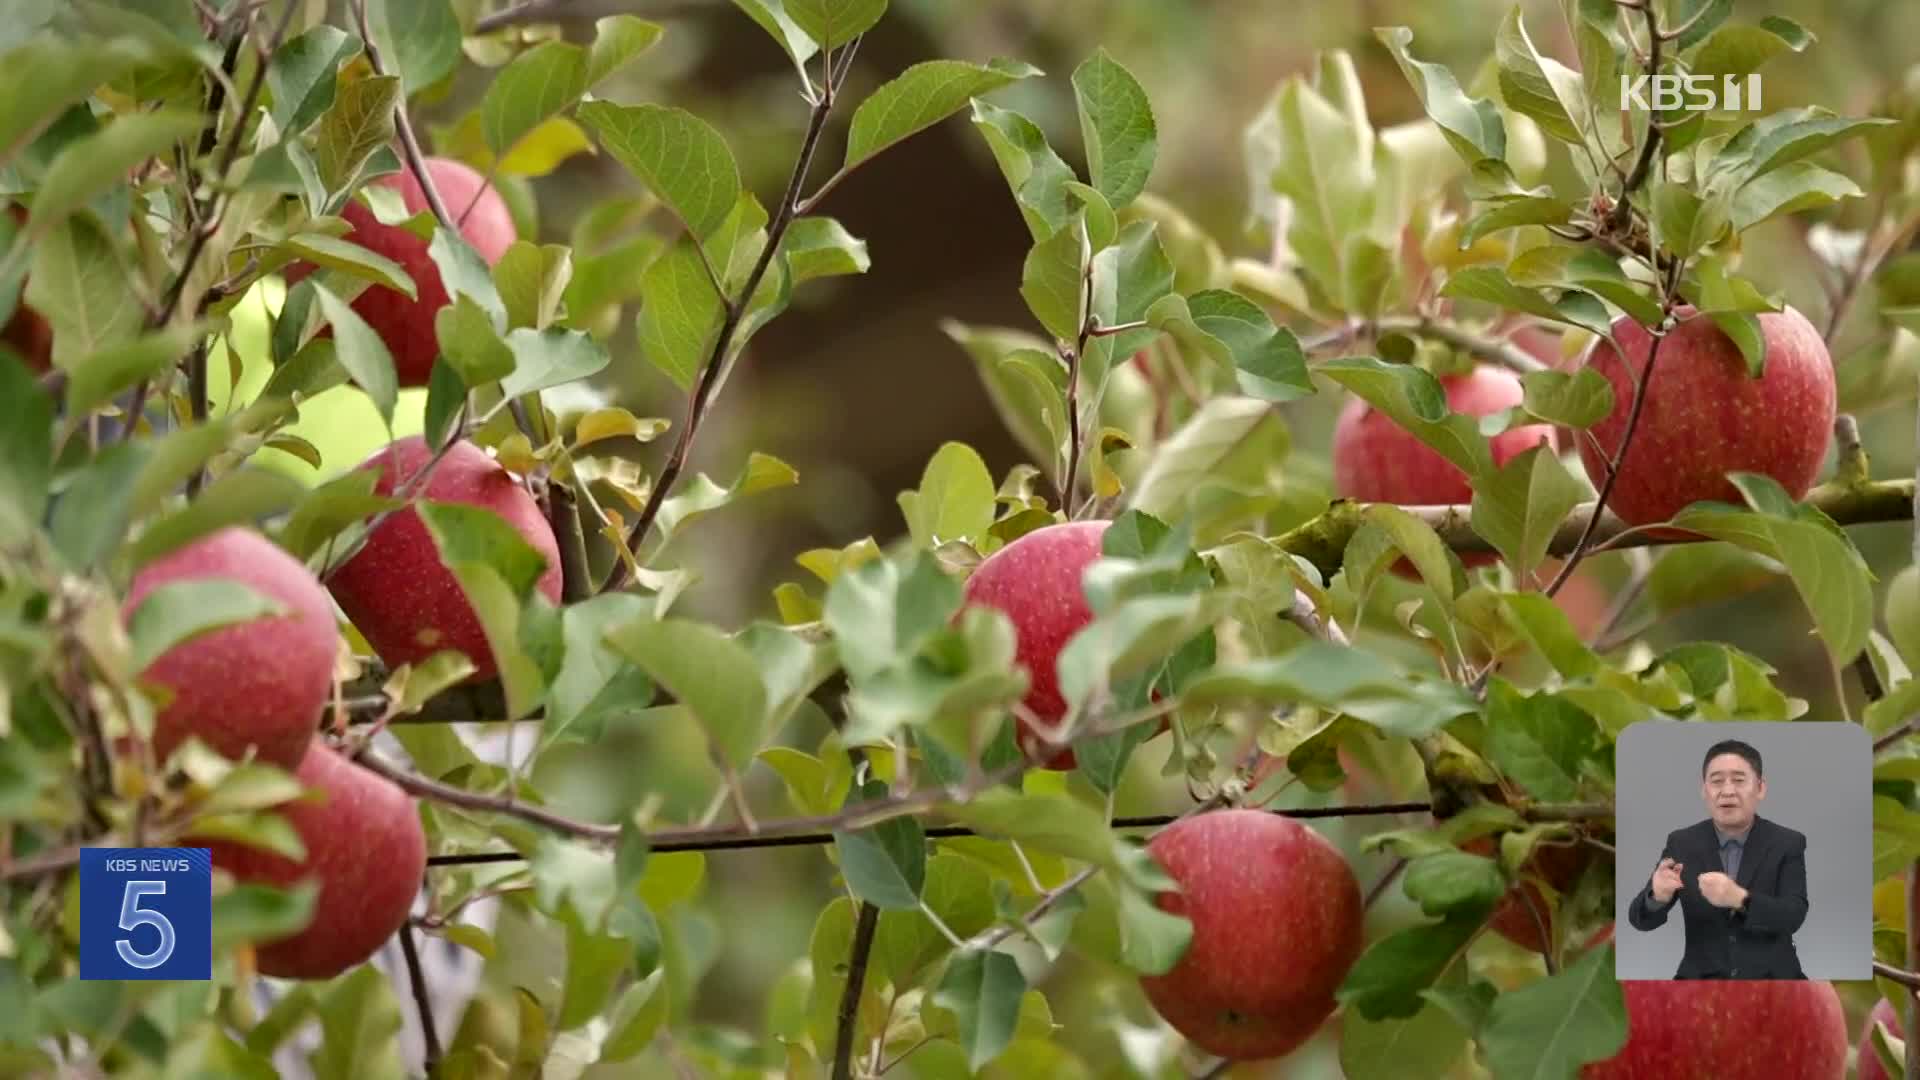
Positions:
(46, 863)
(204, 232)
(1622, 210)
(1894, 736)
(403, 126)
(778, 834)
(1386, 881)
(735, 313)
(423, 1004)
(563, 514)
(1904, 978)
(1505, 354)
(1540, 927)
(1642, 389)
(1071, 481)
(849, 1015)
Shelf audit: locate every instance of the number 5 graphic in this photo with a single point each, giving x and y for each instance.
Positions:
(133, 916)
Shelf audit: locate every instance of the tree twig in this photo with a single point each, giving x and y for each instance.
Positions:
(1912, 1013)
(849, 1015)
(423, 1004)
(1623, 208)
(1071, 481)
(778, 834)
(403, 126)
(1908, 979)
(735, 313)
(1642, 389)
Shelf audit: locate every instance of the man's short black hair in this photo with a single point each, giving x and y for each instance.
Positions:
(1732, 746)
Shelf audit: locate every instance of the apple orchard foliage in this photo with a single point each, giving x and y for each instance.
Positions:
(1217, 614)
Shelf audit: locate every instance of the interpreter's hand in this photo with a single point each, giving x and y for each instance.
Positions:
(1721, 890)
(1666, 880)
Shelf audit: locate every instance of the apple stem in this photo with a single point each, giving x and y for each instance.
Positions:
(735, 312)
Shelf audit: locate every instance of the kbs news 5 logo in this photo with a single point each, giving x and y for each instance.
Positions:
(146, 913)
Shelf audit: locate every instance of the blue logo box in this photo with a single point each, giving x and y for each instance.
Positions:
(146, 913)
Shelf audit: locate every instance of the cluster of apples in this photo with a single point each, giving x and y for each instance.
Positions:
(1276, 911)
(260, 689)
(1703, 417)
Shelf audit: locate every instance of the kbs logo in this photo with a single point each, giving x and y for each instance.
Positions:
(146, 913)
(1694, 93)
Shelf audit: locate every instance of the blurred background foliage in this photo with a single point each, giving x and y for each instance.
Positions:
(857, 386)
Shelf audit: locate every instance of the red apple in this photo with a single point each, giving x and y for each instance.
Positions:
(398, 592)
(1696, 1030)
(1277, 923)
(1375, 460)
(407, 325)
(1559, 865)
(1705, 416)
(1037, 582)
(1883, 1013)
(27, 333)
(258, 685)
(365, 849)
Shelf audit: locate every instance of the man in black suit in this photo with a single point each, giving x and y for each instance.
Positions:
(1741, 880)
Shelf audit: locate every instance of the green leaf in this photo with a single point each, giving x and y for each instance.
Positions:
(1381, 1049)
(1229, 440)
(1472, 126)
(1268, 360)
(1326, 169)
(359, 123)
(821, 247)
(1361, 684)
(884, 864)
(1117, 126)
(1025, 382)
(835, 22)
(708, 672)
(983, 989)
(1552, 1026)
(1519, 507)
(418, 39)
(538, 84)
(1896, 837)
(118, 367)
(259, 913)
(617, 39)
(361, 352)
(470, 345)
(1415, 401)
(26, 452)
(1448, 880)
(1051, 282)
(1578, 400)
(345, 255)
(1490, 284)
(955, 500)
(1035, 173)
(1540, 741)
(1539, 620)
(359, 1028)
(551, 357)
(921, 96)
(636, 1017)
(1789, 189)
(94, 164)
(1152, 941)
(1600, 274)
(1683, 221)
(180, 611)
(1386, 982)
(1058, 824)
(1538, 86)
(773, 18)
(882, 611)
(43, 77)
(681, 158)
(532, 281)
(680, 314)
(1828, 571)
(1781, 138)
(79, 284)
